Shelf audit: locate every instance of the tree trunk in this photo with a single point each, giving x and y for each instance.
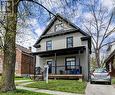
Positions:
(8, 75)
(97, 56)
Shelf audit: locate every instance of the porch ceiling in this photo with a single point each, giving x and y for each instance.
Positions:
(66, 51)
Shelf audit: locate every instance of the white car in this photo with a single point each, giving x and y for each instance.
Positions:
(100, 75)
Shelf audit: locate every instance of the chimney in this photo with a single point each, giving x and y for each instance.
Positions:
(30, 49)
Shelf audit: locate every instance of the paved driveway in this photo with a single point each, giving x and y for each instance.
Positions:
(100, 89)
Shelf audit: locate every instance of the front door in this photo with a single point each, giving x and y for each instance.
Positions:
(49, 63)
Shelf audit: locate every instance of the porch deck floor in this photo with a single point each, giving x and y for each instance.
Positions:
(62, 76)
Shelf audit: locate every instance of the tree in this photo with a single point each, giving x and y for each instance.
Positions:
(9, 50)
(7, 80)
(98, 24)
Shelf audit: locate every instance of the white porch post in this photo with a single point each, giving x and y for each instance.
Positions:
(46, 73)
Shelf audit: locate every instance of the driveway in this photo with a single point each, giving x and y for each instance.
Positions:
(100, 89)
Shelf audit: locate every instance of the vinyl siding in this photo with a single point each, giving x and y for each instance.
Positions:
(59, 42)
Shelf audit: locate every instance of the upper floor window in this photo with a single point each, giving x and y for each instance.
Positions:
(69, 42)
(49, 45)
(58, 27)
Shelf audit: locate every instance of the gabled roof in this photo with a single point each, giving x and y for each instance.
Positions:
(23, 49)
(58, 16)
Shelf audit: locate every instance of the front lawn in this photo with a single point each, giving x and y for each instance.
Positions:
(22, 78)
(113, 80)
(22, 92)
(73, 86)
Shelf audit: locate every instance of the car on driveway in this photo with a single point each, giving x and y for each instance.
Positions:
(100, 75)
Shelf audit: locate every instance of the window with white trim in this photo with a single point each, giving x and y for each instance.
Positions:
(49, 45)
(69, 42)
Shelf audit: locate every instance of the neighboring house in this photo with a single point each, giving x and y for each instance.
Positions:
(64, 47)
(24, 61)
(110, 60)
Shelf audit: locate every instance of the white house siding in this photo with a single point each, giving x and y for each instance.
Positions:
(85, 63)
(59, 42)
(40, 62)
(61, 62)
(85, 59)
(66, 26)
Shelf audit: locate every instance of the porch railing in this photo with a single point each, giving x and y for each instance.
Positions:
(60, 70)
(64, 70)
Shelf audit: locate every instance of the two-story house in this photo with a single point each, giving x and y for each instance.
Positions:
(64, 47)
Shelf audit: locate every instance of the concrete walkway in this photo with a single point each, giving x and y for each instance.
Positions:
(45, 91)
(21, 86)
(22, 80)
(100, 89)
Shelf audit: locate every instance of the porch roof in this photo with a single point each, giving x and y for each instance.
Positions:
(65, 51)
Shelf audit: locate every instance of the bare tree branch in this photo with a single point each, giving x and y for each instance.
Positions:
(107, 43)
(40, 5)
(106, 29)
(100, 21)
(3, 25)
(90, 33)
(109, 33)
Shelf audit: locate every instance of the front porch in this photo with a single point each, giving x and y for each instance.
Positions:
(69, 63)
(60, 72)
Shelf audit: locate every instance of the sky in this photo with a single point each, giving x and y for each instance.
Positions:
(31, 24)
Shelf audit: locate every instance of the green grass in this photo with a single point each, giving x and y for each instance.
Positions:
(22, 92)
(113, 80)
(22, 78)
(73, 86)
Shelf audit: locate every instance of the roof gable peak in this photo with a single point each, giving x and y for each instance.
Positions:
(60, 18)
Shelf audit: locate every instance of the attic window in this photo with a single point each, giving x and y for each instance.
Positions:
(59, 27)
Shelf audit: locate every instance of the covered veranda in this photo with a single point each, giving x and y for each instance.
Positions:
(64, 73)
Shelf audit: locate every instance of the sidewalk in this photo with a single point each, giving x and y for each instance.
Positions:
(21, 86)
(46, 91)
(22, 80)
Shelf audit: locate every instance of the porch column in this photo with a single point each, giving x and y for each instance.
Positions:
(55, 60)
